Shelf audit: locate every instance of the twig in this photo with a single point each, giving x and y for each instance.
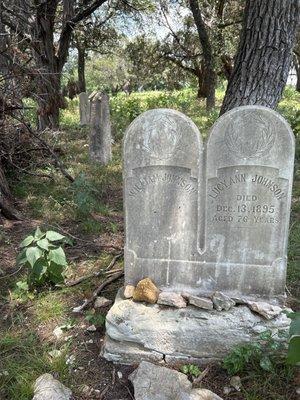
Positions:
(97, 291)
(12, 273)
(94, 275)
(202, 375)
(113, 261)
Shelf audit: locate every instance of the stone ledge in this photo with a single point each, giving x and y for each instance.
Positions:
(136, 331)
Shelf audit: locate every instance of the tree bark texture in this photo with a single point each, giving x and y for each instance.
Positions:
(81, 69)
(6, 201)
(209, 75)
(264, 55)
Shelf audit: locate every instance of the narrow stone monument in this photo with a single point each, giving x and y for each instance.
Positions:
(208, 223)
(84, 109)
(100, 137)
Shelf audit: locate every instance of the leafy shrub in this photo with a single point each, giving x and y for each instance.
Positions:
(84, 194)
(190, 370)
(293, 355)
(44, 257)
(264, 354)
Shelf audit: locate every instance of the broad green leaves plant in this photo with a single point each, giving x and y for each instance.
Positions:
(43, 255)
(293, 355)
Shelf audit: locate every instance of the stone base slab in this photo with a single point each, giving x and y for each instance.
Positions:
(139, 331)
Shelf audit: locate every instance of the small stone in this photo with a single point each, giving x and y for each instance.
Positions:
(58, 332)
(120, 375)
(171, 299)
(227, 390)
(128, 291)
(236, 383)
(46, 387)
(267, 310)
(146, 291)
(91, 328)
(298, 390)
(101, 302)
(222, 302)
(203, 394)
(201, 302)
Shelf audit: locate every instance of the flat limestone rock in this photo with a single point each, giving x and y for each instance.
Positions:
(139, 330)
(48, 388)
(128, 291)
(201, 302)
(154, 382)
(171, 299)
(222, 302)
(146, 291)
(269, 311)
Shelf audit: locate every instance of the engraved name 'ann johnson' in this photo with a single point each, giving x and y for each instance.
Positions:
(227, 183)
(168, 178)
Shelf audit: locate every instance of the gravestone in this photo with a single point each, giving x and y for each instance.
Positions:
(100, 137)
(84, 108)
(214, 218)
(163, 157)
(201, 219)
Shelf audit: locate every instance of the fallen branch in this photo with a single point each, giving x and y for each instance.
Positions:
(98, 273)
(98, 291)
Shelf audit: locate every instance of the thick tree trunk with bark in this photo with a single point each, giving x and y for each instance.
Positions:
(209, 74)
(6, 201)
(81, 68)
(297, 67)
(264, 55)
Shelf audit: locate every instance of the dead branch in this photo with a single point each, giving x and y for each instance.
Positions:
(98, 291)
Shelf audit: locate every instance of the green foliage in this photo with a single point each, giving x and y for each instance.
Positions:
(191, 370)
(95, 318)
(263, 354)
(44, 257)
(293, 355)
(84, 194)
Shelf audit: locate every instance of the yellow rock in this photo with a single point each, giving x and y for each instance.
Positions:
(146, 291)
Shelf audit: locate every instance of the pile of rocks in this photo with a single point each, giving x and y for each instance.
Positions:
(146, 291)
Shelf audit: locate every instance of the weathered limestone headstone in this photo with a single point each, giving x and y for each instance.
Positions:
(100, 138)
(249, 176)
(205, 223)
(84, 108)
(221, 224)
(162, 161)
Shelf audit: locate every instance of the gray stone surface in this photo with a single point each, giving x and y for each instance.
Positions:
(138, 331)
(171, 299)
(84, 108)
(201, 302)
(213, 218)
(48, 388)
(101, 302)
(222, 302)
(268, 311)
(100, 136)
(153, 382)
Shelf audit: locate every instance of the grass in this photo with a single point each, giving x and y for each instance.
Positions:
(25, 337)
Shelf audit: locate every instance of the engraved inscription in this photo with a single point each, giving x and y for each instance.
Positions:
(161, 177)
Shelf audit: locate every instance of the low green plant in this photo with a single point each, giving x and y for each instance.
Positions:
(293, 355)
(43, 255)
(190, 370)
(95, 319)
(262, 354)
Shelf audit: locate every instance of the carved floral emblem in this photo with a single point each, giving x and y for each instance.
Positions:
(249, 136)
(162, 138)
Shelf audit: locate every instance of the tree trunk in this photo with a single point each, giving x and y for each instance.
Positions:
(297, 68)
(81, 69)
(209, 74)
(6, 200)
(264, 54)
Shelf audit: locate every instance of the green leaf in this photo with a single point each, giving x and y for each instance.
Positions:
(22, 285)
(39, 269)
(266, 364)
(33, 254)
(43, 244)
(38, 234)
(293, 356)
(295, 324)
(58, 256)
(27, 241)
(54, 236)
(55, 273)
(21, 258)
